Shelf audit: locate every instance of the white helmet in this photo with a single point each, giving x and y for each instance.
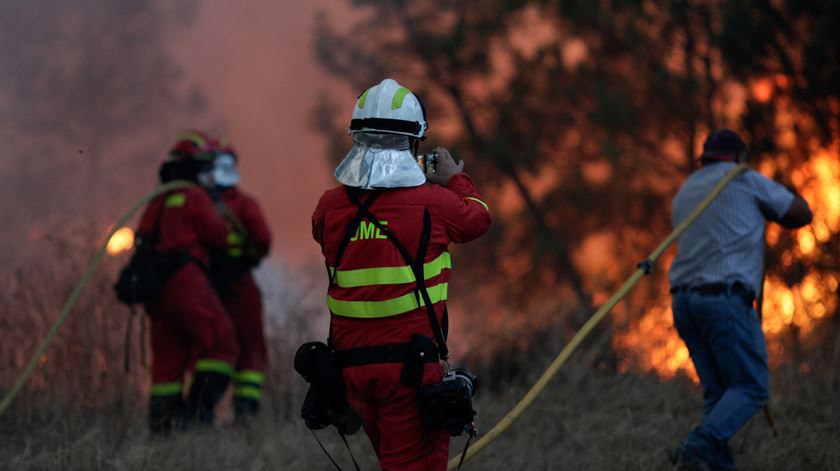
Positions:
(391, 108)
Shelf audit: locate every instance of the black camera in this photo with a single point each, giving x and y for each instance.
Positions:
(318, 414)
(325, 403)
(428, 162)
(448, 405)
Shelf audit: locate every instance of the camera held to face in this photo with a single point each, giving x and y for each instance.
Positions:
(428, 162)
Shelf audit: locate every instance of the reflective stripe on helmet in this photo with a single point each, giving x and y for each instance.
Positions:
(389, 275)
(195, 138)
(363, 98)
(399, 96)
(387, 308)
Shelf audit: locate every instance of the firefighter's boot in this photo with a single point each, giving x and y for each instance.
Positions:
(206, 391)
(245, 410)
(165, 414)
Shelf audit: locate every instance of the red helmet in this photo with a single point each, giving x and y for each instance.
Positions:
(192, 145)
(190, 156)
(223, 146)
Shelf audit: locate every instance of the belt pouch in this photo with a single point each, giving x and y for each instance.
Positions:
(417, 355)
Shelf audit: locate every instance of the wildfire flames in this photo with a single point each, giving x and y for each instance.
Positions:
(651, 340)
(122, 240)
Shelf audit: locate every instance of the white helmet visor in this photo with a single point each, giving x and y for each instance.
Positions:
(379, 161)
(224, 171)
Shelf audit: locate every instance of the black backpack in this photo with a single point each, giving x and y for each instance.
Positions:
(147, 271)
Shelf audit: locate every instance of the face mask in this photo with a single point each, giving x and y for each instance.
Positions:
(224, 171)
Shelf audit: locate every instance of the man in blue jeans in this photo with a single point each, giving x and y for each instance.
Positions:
(714, 278)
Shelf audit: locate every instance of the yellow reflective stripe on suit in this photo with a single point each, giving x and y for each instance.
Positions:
(390, 275)
(214, 366)
(249, 376)
(167, 389)
(478, 201)
(389, 307)
(249, 392)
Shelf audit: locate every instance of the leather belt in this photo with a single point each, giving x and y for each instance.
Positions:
(714, 289)
(395, 353)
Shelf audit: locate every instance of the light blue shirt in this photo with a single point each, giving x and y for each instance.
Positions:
(726, 243)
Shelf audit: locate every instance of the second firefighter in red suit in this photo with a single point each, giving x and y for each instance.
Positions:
(187, 318)
(248, 243)
(372, 298)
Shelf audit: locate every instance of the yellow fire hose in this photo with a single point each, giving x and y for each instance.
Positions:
(77, 290)
(506, 421)
(554, 367)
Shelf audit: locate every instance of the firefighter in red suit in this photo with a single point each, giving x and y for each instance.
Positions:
(372, 297)
(188, 320)
(248, 244)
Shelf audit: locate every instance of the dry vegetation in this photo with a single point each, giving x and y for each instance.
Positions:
(83, 411)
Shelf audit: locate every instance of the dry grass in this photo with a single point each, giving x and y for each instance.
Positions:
(81, 411)
(584, 420)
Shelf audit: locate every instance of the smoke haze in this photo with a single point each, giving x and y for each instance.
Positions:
(93, 93)
(256, 64)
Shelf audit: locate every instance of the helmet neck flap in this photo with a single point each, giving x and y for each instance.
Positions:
(379, 160)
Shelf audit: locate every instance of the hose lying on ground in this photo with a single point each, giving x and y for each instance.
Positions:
(643, 268)
(80, 286)
(506, 421)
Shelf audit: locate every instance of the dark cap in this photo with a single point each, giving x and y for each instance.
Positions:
(722, 142)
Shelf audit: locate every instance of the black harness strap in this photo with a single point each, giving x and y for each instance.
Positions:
(416, 264)
(349, 231)
(348, 234)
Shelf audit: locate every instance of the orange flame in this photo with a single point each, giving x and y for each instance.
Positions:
(651, 342)
(122, 240)
(762, 90)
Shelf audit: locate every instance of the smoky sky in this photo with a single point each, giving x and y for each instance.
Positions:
(92, 93)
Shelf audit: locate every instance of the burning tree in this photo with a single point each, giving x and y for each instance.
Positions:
(584, 117)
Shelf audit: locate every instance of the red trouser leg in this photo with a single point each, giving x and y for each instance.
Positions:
(392, 418)
(170, 357)
(188, 319)
(244, 305)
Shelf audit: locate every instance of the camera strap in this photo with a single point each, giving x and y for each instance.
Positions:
(416, 263)
(347, 445)
(473, 433)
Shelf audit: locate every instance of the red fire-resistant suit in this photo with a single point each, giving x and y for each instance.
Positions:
(187, 318)
(242, 298)
(372, 303)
